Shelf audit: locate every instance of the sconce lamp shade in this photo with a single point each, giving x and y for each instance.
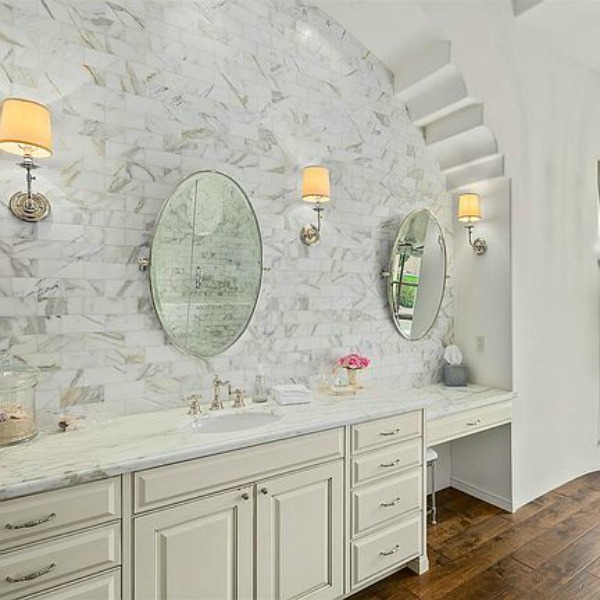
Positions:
(469, 209)
(315, 185)
(25, 128)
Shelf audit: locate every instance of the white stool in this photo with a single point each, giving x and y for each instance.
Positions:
(431, 457)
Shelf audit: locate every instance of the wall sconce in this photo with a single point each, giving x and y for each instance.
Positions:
(469, 212)
(25, 130)
(316, 190)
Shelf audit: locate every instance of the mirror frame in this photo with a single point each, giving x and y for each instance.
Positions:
(173, 341)
(388, 285)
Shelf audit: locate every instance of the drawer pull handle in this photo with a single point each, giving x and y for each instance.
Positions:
(390, 552)
(390, 464)
(473, 423)
(388, 433)
(32, 523)
(31, 576)
(264, 491)
(245, 496)
(390, 504)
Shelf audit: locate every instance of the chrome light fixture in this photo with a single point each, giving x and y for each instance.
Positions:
(469, 212)
(316, 190)
(25, 130)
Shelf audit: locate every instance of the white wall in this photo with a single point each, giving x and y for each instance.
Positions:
(545, 110)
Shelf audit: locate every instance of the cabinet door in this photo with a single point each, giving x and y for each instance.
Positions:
(202, 550)
(299, 539)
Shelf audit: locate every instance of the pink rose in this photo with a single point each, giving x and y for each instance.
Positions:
(354, 361)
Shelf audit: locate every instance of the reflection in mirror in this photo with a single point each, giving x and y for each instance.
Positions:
(206, 264)
(417, 274)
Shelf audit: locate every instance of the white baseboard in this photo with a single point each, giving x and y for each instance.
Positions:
(498, 501)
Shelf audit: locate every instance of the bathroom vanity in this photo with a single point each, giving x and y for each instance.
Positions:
(323, 501)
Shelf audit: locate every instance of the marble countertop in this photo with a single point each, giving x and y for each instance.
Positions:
(108, 446)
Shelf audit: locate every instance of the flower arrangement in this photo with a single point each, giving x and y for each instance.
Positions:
(355, 362)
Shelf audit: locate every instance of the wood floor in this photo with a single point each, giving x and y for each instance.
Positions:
(549, 549)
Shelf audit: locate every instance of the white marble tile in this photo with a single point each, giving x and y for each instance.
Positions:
(144, 95)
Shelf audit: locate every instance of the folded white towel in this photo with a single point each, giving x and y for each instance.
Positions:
(287, 400)
(291, 394)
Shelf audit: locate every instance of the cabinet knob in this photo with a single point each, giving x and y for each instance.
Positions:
(264, 491)
(245, 496)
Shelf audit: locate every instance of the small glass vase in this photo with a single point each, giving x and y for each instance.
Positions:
(352, 375)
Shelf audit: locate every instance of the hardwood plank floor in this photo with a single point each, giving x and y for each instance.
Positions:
(548, 550)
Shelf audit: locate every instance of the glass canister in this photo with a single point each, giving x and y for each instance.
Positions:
(17, 400)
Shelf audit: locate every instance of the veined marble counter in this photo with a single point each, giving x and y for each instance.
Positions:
(111, 446)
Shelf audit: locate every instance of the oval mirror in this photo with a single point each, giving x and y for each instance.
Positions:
(206, 264)
(417, 274)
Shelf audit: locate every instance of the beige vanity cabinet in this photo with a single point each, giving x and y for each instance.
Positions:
(199, 549)
(299, 522)
(63, 544)
(266, 523)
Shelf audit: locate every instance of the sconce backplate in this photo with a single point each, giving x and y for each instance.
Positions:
(32, 209)
(480, 246)
(310, 235)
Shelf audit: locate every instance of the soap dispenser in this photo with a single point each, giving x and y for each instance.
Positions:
(259, 393)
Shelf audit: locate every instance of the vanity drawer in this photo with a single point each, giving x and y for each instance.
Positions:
(30, 518)
(182, 481)
(380, 502)
(467, 422)
(106, 586)
(378, 552)
(383, 432)
(388, 461)
(39, 566)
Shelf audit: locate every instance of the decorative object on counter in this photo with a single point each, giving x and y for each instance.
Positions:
(259, 392)
(291, 393)
(416, 276)
(205, 264)
(353, 363)
(469, 212)
(455, 373)
(17, 400)
(71, 422)
(25, 130)
(316, 189)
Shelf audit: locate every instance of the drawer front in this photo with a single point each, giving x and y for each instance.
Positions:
(101, 587)
(385, 549)
(379, 503)
(383, 432)
(27, 519)
(39, 566)
(386, 462)
(172, 483)
(467, 422)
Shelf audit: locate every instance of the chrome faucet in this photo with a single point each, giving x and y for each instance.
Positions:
(216, 403)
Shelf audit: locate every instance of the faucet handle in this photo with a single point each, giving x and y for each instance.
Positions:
(194, 400)
(238, 401)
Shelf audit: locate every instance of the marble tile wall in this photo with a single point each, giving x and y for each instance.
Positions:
(145, 92)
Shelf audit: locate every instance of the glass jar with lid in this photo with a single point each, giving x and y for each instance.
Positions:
(17, 400)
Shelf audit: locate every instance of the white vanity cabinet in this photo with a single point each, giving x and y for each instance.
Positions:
(278, 534)
(386, 521)
(299, 525)
(62, 544)
(199, 549)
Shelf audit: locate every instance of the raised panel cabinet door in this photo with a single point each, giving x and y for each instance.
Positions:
(299, 535)
(202, 550)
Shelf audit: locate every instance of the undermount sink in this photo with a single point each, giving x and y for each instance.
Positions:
(234, 422)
